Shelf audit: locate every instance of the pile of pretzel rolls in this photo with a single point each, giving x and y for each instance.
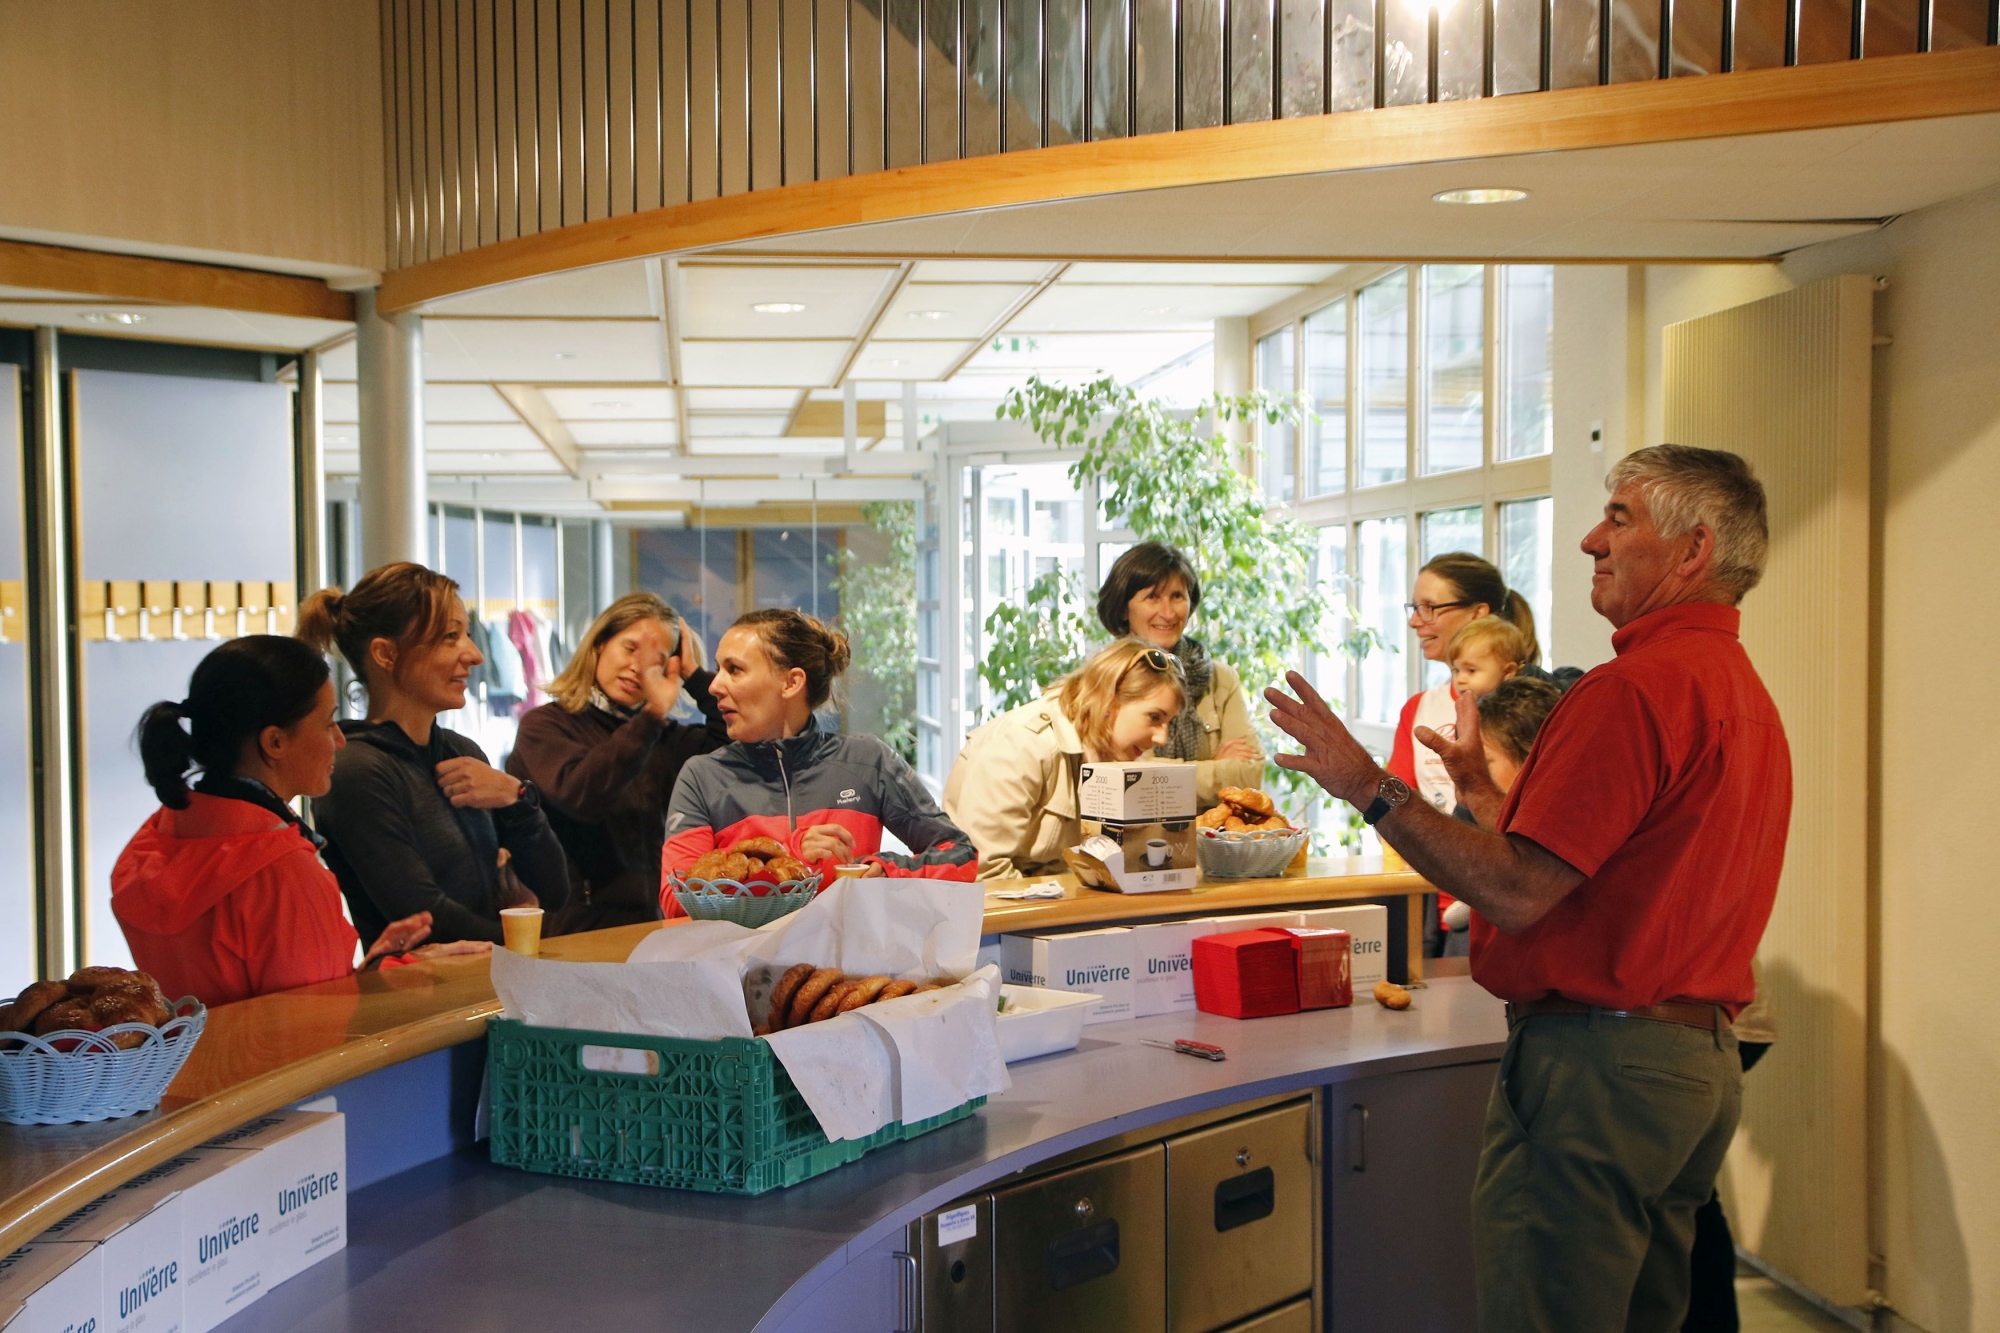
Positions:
(92, 999)
(1242, 810)
(807, 994)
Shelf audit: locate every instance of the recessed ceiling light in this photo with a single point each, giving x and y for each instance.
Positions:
(1158, 310)
(608, 402)
(930, 314)
(885, 361)
(1484, 195)
(777, 307)
(112, 317)
(565, 356)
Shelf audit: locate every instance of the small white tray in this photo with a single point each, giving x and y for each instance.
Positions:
(1038, 1021)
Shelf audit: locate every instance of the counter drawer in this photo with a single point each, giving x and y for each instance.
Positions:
(1085, 1250)
(1294, 1318)
(1239, 1218)
(954, 1249)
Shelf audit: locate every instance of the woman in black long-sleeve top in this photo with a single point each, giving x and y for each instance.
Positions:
(605, 756)
(417, 820)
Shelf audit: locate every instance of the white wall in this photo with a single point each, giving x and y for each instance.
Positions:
(1935, 1156)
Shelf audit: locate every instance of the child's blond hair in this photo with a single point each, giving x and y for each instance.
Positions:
(1510, 644)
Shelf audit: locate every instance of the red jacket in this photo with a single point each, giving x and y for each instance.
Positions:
(223, 901)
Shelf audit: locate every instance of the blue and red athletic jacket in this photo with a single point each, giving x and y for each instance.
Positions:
(779, 789)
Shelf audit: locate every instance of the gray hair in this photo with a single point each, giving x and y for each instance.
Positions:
(1687, 488)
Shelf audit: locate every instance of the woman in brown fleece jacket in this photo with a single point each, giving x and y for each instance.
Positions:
(605, 757)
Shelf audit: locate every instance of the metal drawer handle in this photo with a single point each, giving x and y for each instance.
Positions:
(1242, 1157)
(1357, 1137)
(908, 1293)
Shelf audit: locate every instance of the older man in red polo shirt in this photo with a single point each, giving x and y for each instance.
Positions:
(1620, 889)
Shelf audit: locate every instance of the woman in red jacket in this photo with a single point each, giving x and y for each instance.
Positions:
(221, 893)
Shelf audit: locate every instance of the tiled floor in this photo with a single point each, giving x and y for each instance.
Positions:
(1766, 1307)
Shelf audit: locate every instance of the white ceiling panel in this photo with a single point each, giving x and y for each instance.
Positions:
(742, 400)
(337, 363)
(980, 270)
(722, 446)
(222, 328)
(728, 364)
(718, 300)
(947, 310)
(542, 350)
(908, 360)
(620, 434)
(610, 289)
(613, 404)
(491, 464)
(465, 402)
(1094, 307)
(451, 438)
(1217, 275)
(720, 425)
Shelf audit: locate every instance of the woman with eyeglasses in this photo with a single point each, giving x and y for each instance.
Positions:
(1452, 591)
(1151, 594)
(1013, 789)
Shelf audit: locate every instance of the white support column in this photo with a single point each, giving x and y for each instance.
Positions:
(602, 579)
(1232, 370)
(393, 483)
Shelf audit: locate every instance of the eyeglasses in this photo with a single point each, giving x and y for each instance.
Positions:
(1428, 611)
(1163, 661)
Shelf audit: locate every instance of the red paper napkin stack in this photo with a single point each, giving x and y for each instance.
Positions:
(1325, 962)
(1247, 974)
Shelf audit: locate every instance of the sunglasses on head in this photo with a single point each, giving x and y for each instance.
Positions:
(1163, 662)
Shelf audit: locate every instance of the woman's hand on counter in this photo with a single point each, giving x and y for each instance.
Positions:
(399, 937)
(826, 842)
(466, 782)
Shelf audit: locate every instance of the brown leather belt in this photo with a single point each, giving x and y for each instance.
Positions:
(1707, 1017)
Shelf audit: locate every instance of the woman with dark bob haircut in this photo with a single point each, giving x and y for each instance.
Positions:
(1151, 594)
(221, 893)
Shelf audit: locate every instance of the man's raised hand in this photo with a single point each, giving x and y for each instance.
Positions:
(1332, 758)
(1464, 758)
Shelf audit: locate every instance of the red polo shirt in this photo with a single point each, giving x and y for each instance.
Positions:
(1664, 777)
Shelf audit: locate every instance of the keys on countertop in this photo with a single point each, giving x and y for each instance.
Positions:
(1200, 1049)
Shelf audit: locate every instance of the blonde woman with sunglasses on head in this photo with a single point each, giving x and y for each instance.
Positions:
(1013, 789)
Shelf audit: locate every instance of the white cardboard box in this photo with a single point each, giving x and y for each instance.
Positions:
(1144, 792)
(144, 1284)
(1256, 921)
(1163, 966)
(1087, 960)
(223, 1243)
(302, 1172)
(1368, 926)
(52, 1287)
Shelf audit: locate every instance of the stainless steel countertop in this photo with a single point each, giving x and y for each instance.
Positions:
(460, 1243)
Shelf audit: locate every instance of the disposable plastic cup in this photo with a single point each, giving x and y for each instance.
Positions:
(522, 928)
(851, 870)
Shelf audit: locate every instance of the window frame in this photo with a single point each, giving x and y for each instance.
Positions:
(1493, 483)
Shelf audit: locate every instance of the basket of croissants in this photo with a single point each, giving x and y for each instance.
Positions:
(1244, 837)
(751, 882)
(103, 1044)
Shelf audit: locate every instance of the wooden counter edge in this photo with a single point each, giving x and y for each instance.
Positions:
(31, 1211)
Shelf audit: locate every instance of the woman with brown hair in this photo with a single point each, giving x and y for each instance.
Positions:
(825, 796)
(606, 758)
(417, 820)
(1014, 785)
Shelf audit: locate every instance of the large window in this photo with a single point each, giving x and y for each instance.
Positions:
(1326, 390)
(1454, 367)
(1407, 459)
(1384, 579)
(1527, 554)
(1385, 379)
(1527, 360)
(1275, 375)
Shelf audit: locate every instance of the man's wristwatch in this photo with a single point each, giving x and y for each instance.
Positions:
(1392, 793)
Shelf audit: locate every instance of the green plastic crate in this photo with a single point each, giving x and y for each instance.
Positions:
(721, 1116)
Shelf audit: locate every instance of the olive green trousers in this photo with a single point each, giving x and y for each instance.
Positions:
(1603, 1136)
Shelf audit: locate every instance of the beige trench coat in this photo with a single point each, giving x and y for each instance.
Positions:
(1013, 790)
(1224, 714)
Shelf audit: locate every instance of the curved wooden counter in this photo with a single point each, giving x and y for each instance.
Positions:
(269, 1052)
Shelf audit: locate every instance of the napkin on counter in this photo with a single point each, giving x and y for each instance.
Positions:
(947, 1050)
(697, 998)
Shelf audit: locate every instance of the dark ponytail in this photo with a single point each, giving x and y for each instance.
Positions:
(1476, 580)
(244, 686)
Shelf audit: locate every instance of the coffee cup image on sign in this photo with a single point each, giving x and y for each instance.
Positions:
(1156, 852)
